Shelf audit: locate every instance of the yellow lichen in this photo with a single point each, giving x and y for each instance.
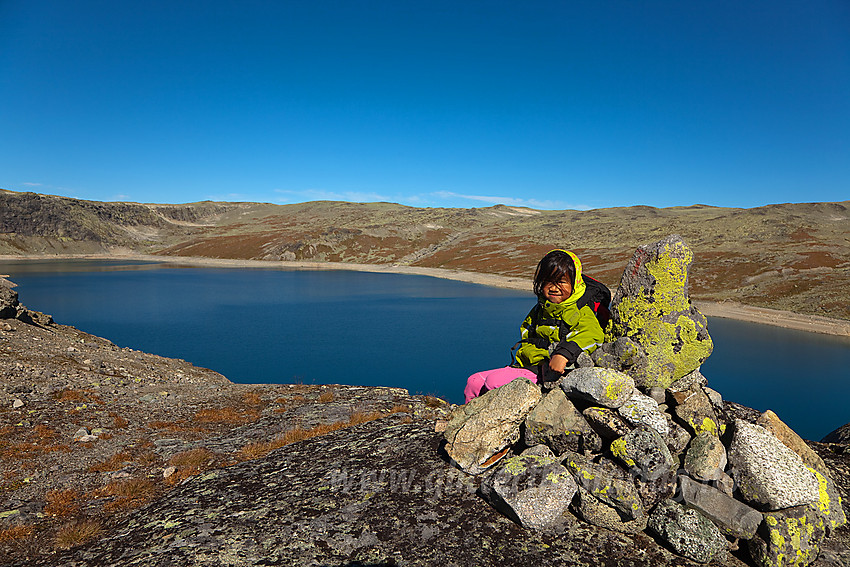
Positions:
(618, 449)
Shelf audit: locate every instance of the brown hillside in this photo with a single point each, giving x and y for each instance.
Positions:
(793, 257)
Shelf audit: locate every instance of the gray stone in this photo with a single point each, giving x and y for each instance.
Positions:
(557, 423)
(694, 408)
(584, 360)
(606, 422)
(706, 457)
(678, 437)
(532, 490)
(607, 482)
(713, 396)
(770, 421)
(18, 403)
(767, 472)
(688, 382)
(480, 432)
(640, 409)
(734, 518)
(621, 354)
(788, 537)
(8, 300)
(643, 450)
(829, 503)
(594, 511)
(651, 306)
(601, 386)
(658, 394)
(687, 531)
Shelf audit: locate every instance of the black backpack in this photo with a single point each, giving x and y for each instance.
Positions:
(598, 297)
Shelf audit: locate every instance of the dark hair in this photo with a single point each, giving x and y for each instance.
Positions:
(552, 268)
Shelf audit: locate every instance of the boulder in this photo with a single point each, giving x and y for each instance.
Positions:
(829, 502)
(621, 354)
(535, 491)
(734, 518)
(790, 439)
(606, 422)
(594, 511)
(600, 386)
(788, 537)
(557, 423)
(767, 472)
(651, 307)
(480, 432)
(687, 531)
(607, 483)
(640, 409)
(695, 409)
(643, 450)
(678, 438)
(705, 459)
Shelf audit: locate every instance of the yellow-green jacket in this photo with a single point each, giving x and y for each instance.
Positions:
(558, 328)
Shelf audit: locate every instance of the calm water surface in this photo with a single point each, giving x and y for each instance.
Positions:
(416, 332)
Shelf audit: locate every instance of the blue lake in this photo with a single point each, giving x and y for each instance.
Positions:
(420, 333)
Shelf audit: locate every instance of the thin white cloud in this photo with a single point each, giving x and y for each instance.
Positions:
(28, 184)
(511, 201)
(289, 196)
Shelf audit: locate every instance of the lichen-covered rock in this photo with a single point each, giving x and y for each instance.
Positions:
(640, 409)
(534, 491)
(479, 433)
(705, 459)
(734, 518)
(606, 422)
(687, 531)
(767, 472)
(557, 423)
(594, 511)
(695, 409)
(643, 450)
(651, 306)
(678, 437)
(601, 386)
(689, 381)
(607, 483)
(622, 354)
(789, 537)
(829, 504)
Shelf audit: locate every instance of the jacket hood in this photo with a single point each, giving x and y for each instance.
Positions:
(578, 287)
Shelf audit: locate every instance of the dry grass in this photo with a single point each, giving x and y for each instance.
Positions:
(261, 449)
(190, 463)
(77, 533)
(118, 422)
(114, 463)
(289, 403)
(16, 533)
(226, 415)
(326, 397)
(75, 396)
(130, 493)
(253, 399)
(432, 402)
(62, 503)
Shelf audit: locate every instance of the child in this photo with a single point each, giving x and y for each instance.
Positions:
(554, 333)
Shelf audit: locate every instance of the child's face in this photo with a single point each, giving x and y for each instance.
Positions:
(556, 292)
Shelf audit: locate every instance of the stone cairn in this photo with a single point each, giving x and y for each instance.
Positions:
(634, 440)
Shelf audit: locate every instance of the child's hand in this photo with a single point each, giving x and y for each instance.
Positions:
(558, 363)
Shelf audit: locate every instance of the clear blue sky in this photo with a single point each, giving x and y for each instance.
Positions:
(567, 104)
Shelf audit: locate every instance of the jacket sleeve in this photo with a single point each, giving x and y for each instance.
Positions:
(585, 335)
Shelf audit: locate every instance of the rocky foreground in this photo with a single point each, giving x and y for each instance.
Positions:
(110, 456)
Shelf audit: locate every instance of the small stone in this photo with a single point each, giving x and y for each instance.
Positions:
(606, 422)
(643, 450)
(596, 512)
(81, 432)
(658, 394)
(556, 422)
(18, 403)
(606, 481)
(168, 471)
(694, 408)
(706, 457)
(535, 491)
(640, 409)
(601, 386)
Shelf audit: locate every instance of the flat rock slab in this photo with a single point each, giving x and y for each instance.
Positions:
(376, 493)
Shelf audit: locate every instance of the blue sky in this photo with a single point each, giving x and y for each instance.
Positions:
(555, 105)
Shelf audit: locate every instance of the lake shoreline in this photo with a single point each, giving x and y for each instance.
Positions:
(725, 309)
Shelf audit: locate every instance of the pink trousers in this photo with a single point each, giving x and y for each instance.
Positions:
(490, 379)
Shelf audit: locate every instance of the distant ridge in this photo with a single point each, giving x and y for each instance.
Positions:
(793, 257)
